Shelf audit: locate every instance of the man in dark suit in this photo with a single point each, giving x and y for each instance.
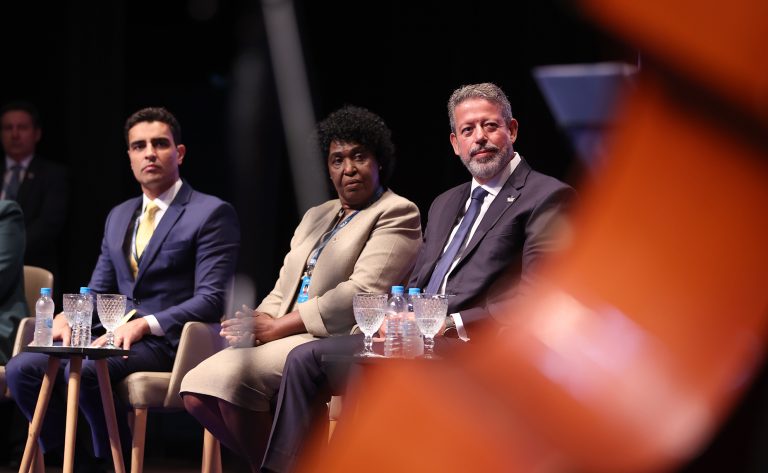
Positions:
(172, 251)
(38, 185)
(482, 242)
(12, 304)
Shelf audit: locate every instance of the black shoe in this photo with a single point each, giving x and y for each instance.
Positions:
(86, 463)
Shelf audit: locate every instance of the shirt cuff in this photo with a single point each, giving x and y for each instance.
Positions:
(460, 330)
(154, 325)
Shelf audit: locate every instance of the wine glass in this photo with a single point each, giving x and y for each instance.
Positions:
(369, 314)
(430, 311)
(111, 308)
(69, 304)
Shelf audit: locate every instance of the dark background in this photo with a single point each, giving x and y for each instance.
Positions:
(88, 65)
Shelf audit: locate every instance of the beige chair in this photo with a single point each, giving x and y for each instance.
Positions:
(334, 412)
(24, 336)
(159, 391)
(34, 279)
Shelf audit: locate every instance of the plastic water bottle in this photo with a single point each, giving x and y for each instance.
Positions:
(83, 317)
(413, 343)
(44, 319)
(396, 307)
(411, 292)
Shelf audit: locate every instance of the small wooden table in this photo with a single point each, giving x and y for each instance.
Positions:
(76, 356)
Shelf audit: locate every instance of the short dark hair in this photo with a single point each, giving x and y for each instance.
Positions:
(351, 124)
(154, 114)
(487, 90)
(23, 106)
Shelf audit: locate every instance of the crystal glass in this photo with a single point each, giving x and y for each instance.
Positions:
(369, 314)
(430, 311)
(111, 308)
(68, 304)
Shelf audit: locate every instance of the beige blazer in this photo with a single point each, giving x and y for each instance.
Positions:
(375, 250)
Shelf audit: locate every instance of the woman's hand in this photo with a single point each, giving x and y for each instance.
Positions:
(251, 326)
(266, 328)
(238, 331)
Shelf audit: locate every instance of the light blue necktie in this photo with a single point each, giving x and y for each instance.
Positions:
(12, 190)
(444, 263)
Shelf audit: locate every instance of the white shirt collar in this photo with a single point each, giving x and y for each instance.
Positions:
(494, 184)
(163, 201)
(24, 162)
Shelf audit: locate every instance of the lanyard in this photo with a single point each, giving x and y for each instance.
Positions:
(328, 235)
(326, 238)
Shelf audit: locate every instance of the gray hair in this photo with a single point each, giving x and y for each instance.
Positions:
(487, 90)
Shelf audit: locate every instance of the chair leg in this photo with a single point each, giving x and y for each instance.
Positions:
(139, 437)
(211, 453)
(38, 464)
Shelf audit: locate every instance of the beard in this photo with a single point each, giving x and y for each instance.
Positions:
(488, 166)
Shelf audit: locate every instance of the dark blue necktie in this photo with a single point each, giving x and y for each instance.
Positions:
(13, 185)
(444, 263)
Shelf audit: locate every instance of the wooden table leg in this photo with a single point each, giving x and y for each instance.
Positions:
(73, 400)
(109, 413)
(30, 449)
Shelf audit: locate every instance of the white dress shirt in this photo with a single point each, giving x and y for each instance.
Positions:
(163, 201)
(493, 187)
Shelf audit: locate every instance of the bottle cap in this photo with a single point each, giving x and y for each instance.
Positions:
(413, 290)
(397, 289)
(45, 291)
(85, 290)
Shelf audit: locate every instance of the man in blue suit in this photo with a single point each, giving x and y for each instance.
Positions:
(171, 251)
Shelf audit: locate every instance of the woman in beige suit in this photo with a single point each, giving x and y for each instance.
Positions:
(366, 240)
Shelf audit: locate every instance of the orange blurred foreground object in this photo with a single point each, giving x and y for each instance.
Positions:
(631, 354)
(648, 329)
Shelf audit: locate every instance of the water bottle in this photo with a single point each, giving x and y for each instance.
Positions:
(396, 307)
(83, 317)
(413, 342)
(44, 319)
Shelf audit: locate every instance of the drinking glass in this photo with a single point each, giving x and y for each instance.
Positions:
(111, 308)
(369, 314)
(69, 304)
(430, 311)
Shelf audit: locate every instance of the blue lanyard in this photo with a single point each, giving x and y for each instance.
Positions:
(326, 238)
(328, 235)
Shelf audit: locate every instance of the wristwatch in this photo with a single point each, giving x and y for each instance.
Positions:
(450, 324)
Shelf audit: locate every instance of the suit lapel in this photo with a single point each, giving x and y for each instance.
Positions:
(124, 228)
(171, 216)
(504, 200)
(296, 271)
(442, 227)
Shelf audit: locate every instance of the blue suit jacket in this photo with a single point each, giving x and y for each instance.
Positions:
(186, 268)
(514, 233)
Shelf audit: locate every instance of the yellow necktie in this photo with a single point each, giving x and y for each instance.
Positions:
(143, 234)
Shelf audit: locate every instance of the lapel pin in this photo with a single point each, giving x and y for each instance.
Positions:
(510, 199)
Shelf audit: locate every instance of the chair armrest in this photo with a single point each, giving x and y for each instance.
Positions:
(198, 342)
(25, 334)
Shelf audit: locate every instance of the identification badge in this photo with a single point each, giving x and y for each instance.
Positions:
(304, 290)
